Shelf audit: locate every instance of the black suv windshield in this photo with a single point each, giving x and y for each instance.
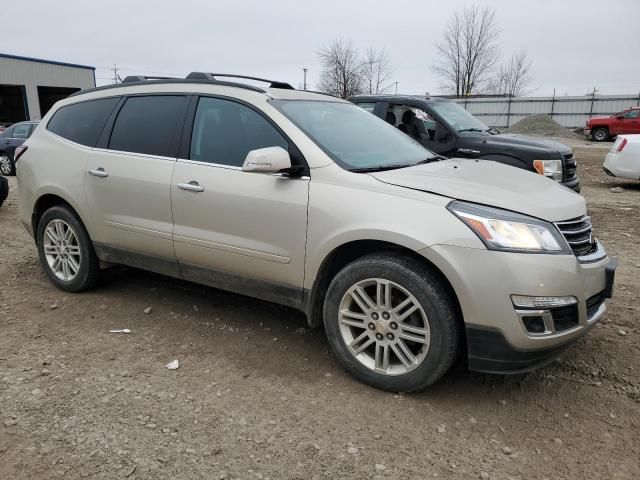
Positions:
(458, 118)
(352, 137)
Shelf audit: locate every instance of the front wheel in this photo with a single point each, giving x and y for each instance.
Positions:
(66, 251)
(6, 165)
(600, 134)
(392, 323)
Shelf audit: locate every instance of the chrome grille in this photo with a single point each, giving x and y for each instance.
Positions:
(570, 166)
(579, 234)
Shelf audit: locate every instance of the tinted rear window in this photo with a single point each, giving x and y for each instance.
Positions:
(147, 125)
(82, 122)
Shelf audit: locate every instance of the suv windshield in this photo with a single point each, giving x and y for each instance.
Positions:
(352, 137)
(458, 118)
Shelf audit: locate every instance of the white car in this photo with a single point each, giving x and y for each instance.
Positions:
(623, 160)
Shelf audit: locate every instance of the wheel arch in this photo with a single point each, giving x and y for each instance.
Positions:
(47, 200)
(348, 252)
(601, 127)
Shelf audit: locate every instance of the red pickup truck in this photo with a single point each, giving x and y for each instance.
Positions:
(604, 128)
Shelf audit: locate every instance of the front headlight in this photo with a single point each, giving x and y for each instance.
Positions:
(549, 168)
(508, 231)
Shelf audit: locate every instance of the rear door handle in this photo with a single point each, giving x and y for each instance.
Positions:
(99, 172)
(192, 186)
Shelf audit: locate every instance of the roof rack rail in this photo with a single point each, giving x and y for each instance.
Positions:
(143, 78)
(212, 76)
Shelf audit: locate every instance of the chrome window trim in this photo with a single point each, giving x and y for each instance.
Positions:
(134, 154)
(231, 167)
(209, 164)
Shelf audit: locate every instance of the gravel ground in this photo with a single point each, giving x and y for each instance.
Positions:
(257, 395)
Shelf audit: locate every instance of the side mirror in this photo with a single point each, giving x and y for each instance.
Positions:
(620, 117)
(267, 160)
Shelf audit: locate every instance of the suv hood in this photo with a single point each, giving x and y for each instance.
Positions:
(491, 183)
(546, 148)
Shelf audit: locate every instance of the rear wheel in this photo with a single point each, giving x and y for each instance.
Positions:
(600, 135)
(6, 165)
(391, 322)
(65, 250)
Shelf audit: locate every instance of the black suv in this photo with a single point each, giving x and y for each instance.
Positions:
(446, 128)
(13, 137)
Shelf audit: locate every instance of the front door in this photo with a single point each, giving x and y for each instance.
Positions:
(128, 182)
(631, 121)
(237, 230)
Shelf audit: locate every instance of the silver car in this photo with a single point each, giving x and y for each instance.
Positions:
(409, 260)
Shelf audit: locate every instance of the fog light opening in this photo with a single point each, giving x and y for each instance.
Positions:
(534, 324)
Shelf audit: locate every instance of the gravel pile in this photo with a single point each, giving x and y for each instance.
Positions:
(542, 124)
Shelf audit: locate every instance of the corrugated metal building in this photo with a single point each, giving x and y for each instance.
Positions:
(30, 86)
(568, 111)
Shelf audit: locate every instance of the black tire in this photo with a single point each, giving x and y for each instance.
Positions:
(440, 308)
(89, 269)
(600, 134)
(7, 167)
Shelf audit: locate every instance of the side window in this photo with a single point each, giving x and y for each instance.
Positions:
(82, 122)
(147, 125)
(632, 114)
(414, 121)
(225, 131)
(369, 106)
(21, 131)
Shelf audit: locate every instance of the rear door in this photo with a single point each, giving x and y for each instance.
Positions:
(128, 181)
(236, 230)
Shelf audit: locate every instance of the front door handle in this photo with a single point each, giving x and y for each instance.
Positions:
(99, 172)
(192, 186)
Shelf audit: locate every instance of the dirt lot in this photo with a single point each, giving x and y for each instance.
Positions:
(259, 396)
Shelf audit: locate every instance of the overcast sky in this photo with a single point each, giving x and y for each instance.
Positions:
(574, 44)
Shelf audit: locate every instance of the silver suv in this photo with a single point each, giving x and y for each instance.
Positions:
(408, 259)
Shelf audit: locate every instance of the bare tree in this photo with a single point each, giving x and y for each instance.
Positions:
(376, 71)
(513, 77)
(342, 72)
(468, 51)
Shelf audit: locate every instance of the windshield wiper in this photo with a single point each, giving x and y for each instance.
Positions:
(435, 158)
(378, 168)
(472, 130)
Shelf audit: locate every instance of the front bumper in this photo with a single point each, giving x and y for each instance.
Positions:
(497, 340)
(587, 132)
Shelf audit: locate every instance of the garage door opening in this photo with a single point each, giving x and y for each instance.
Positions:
(13, 104)
(47, 96)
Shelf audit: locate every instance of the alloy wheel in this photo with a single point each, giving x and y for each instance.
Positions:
(5, 165)
(384, 326)
(600, 135)
(61, 249)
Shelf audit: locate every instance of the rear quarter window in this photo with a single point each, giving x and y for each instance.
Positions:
(82, 122)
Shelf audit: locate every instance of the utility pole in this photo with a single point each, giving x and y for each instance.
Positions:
(396, 87)
(593, 99)
(115, 73)
(304, 83)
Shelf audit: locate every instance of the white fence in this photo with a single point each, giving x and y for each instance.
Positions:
(571, 112)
